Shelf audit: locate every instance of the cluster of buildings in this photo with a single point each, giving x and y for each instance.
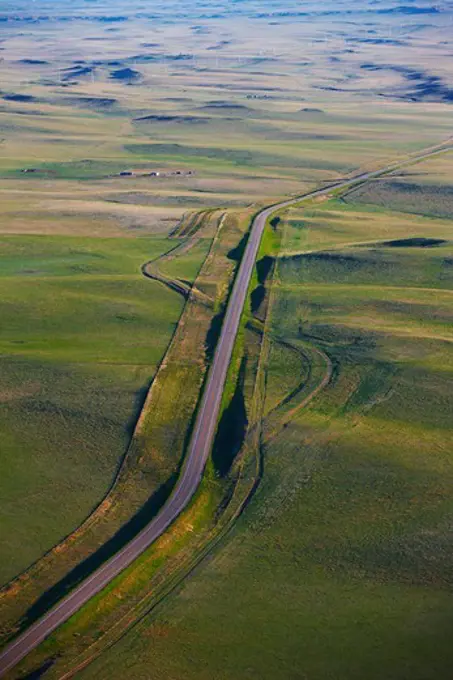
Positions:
(155, 173)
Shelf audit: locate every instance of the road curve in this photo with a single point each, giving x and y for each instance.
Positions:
(201, 441)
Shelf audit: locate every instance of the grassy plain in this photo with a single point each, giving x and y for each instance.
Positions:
(232, 113)
(82, 335)
(425, 189)
(341, 566)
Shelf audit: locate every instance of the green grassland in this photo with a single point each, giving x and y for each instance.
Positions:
(424, 190)
(186, 265)
(340, 224)
(153, 458)
(82, 335)
(341, 565)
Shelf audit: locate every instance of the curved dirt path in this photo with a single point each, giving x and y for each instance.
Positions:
(151, 270)
(288, 416)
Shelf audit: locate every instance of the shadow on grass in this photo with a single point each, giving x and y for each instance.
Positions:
(232, 428)
(257, 297)
(416, 242)
(235, 254)
(39, 672)
(104, 553)
(213, 335)
(264, 268)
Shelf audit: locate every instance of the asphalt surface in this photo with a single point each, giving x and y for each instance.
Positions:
(200, 445)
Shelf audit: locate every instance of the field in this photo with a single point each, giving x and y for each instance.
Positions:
(136, 145)
(424, 190)
(82, 335)
(341, 565)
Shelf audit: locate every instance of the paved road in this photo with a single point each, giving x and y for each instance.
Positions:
(200, 445)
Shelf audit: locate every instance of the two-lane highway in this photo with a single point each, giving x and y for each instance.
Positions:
(200, 445)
